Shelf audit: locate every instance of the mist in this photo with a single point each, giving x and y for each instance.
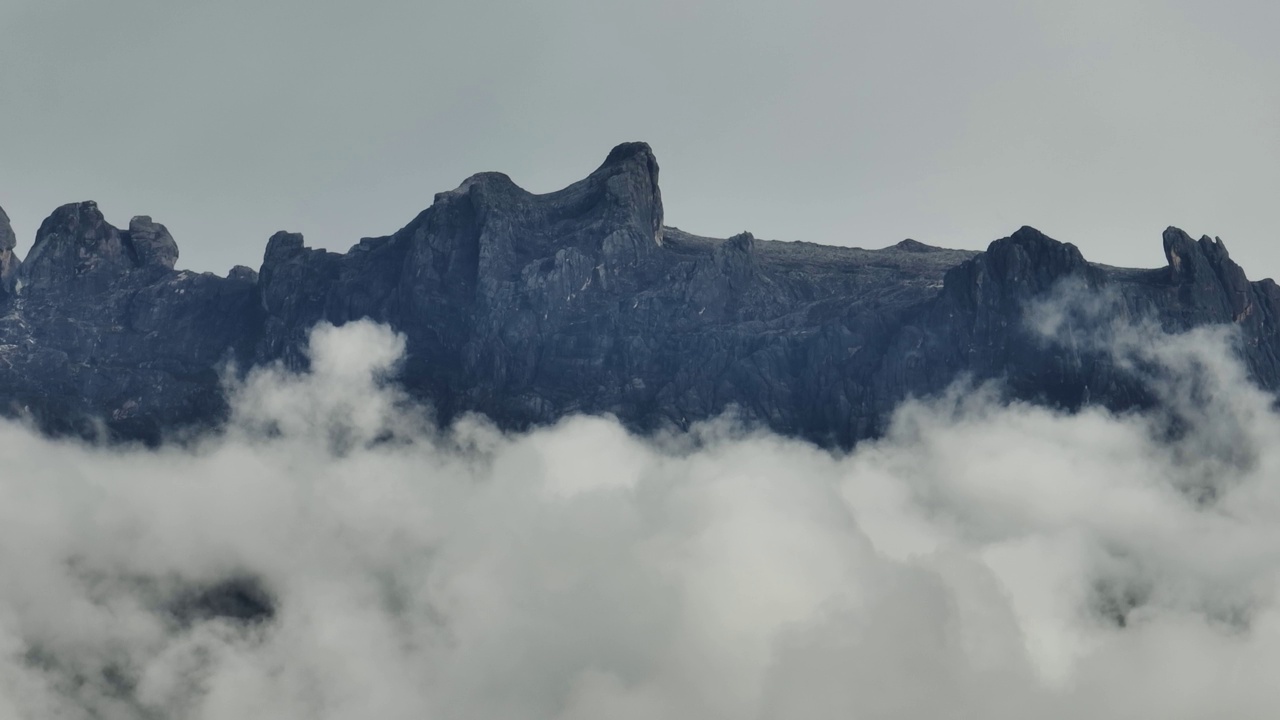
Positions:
(984, 559)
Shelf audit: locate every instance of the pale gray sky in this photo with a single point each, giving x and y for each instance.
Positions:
(840, 122)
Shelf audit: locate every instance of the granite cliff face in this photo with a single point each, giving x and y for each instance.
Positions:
(531, 307)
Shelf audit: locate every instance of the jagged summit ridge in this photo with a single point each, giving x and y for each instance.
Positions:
(77, 250)
(528, 307)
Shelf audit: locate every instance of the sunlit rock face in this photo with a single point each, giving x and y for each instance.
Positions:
(528, 308)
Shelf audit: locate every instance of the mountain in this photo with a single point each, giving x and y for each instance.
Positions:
(530, 307)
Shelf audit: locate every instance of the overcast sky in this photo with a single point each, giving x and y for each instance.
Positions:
(832, 121)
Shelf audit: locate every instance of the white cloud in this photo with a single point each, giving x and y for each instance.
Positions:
(983, 560)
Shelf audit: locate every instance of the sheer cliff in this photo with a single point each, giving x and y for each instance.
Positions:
(530, 307)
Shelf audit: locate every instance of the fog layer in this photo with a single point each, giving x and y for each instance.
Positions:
(983, 560)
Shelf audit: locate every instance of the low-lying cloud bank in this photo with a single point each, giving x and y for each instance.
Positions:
(983, 560)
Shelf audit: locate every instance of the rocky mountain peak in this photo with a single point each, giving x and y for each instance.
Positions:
(75, 249)
(1187, 258)
(1015, 268)
(628, 151)
(153, 246)
(282, 245)
(528, 308)
(630, 172)
(1206, 276)
(7, 239)
(914, 246)
(9, 262)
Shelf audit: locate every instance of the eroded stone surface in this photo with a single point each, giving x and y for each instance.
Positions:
(9, 263)
(530, 307)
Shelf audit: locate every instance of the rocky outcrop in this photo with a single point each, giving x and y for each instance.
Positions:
(76, 251)
(530, 307)
(9, 263)
(99, 338)
(150, 244)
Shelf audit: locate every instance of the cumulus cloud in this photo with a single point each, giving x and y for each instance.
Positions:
(333, 554)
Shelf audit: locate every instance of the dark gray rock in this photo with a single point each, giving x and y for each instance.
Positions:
(96, 341)
(9, 263)
(151, 243)
(530, 307)
(75, 251)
